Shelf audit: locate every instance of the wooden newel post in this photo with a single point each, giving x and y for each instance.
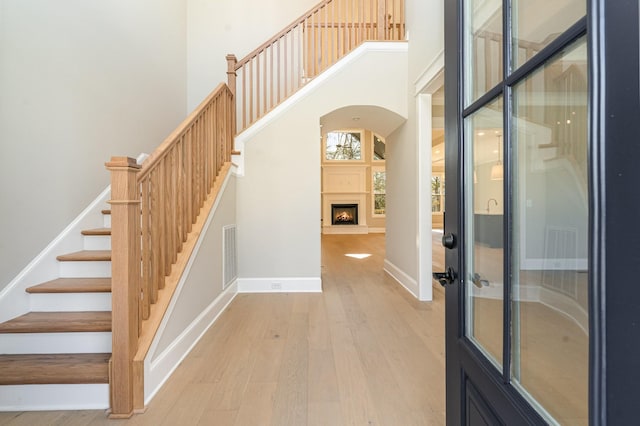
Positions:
(231, 82)
(231, 73)
(125, 277)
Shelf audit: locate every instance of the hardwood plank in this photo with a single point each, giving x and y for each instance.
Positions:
(73, 285)
(58, 322)
(96, 231)
(362, 351)
(49, 369)
(86, 256)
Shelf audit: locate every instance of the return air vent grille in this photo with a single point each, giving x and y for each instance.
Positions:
(229, 256)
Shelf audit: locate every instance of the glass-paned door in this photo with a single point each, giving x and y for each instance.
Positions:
(518, 339)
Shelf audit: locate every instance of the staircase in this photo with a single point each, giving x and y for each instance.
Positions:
(60, 350)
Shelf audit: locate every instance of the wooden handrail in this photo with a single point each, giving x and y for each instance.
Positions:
(157, 205)
(154, 208)
(309, 45)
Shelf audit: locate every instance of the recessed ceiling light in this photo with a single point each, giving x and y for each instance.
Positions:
(480, 133)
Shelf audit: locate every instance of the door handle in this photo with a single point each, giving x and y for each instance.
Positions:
(477, 280)
(448, 241)
(445, 278)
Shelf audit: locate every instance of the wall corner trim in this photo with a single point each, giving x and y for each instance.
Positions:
(430, 73)
(402, 278)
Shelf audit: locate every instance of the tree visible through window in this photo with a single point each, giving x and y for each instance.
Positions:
(343, 146)
(379, 192)
(437, 193)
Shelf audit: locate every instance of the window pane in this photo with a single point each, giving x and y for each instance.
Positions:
(538, 22)
(379, 148)
(484, 253)
(550, 356)
(483, 47)
(379, 190)
(343, 146)
(379, 204)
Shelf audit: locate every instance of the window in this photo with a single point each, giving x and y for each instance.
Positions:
(379, 180)
(343, 145)
(437, 193)
(378, 146)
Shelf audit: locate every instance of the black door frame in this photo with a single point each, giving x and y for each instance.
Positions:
(613, 43)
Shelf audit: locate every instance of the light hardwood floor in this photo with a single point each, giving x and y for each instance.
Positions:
(363, 352)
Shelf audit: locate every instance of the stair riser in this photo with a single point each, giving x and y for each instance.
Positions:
(98, 269)
(97, 242)
(55, 343)
(54, 397)
(107, 221)
(66, 302)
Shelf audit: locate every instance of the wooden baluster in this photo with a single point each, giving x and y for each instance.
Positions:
(265, 81)
(258, 78)
(382, 11)
(285, 66)
(189, 178)
(125, 276)
(156, 273)
(146, 249)
(278, 68)
(244, 97)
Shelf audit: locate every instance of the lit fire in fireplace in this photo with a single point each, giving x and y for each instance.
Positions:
(344, 217)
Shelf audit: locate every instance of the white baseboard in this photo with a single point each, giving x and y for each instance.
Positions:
(345, 229)
(280, 285)
(402, 278)
(559, 302)
(377, 230)
(54, 397)
(555, 264)
(158, 370)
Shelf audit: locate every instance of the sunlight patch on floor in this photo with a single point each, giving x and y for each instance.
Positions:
(358, 255)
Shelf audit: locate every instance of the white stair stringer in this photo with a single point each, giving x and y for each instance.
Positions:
(54, 397)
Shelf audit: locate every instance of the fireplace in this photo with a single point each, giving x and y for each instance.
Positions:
(344, 214)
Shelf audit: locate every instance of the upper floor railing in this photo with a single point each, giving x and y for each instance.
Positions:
(311, 44)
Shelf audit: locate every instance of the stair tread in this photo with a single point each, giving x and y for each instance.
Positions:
(31, 369)
(73, 285)
(58, 322)
(97, 231)
(106, 211)
(86, 256)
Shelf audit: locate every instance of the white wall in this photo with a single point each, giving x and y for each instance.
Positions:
(425, 26)
(80, 81)
(199, 298)
(279, 195)
(219, 27)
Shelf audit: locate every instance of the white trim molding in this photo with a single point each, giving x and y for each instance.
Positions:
(158, 370)
(432, 77)
(280, 285)
(402, 278)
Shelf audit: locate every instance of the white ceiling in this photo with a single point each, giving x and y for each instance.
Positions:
(377, 119)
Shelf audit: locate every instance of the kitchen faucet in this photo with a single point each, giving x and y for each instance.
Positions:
(489, 203)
